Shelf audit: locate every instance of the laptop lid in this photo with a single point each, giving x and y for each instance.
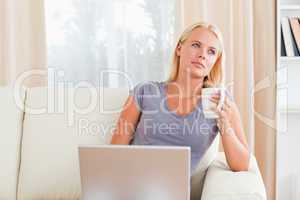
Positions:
(114, 172)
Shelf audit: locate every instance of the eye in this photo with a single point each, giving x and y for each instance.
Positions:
(196, 45)
(212, 52)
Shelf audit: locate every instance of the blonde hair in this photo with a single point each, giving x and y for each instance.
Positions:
(216, 75)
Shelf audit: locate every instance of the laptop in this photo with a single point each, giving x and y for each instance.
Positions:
(123, 172)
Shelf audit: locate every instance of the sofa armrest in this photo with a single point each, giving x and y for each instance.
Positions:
(223, 184)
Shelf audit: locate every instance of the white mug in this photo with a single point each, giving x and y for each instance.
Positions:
(209, 106)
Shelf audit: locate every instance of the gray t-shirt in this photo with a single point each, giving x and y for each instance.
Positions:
(160, 126)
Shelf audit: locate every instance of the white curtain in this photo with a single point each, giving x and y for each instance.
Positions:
(249, 31)
(265, 87)
(22, 42)
(238, 38)
(132, 39)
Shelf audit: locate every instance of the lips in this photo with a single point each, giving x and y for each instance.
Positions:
(198, 64)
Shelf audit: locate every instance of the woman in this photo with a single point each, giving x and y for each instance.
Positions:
(170, 112)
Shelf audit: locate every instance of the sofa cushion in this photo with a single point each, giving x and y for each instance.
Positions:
(198, 177)
(223, 184)
(55, 123)
(11, 116)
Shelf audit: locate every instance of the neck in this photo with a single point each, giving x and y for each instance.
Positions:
(189, 87)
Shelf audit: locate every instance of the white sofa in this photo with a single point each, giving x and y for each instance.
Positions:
(41, 129)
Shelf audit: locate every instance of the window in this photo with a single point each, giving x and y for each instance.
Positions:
(108, 42)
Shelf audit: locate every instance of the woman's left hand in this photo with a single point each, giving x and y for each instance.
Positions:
(226, 113)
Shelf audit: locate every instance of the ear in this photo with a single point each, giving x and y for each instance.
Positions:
(178, 49)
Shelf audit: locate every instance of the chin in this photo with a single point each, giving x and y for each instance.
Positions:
(197, 75)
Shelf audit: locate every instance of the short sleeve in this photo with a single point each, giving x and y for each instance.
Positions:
(137, 92)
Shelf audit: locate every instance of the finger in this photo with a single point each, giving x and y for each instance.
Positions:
(228, 105)
(218, 111)
(214, 101)
(216, 95)
(226, 102)
(221, 113)
(225, 107)
(214, 109)
(229, 102)
(214, 98)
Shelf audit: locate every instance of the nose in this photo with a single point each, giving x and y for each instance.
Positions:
(202, 54)
(202, 57)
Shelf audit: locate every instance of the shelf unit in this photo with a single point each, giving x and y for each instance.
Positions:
(285, 59)
(290, 7)
(287, 67)
(288, 112)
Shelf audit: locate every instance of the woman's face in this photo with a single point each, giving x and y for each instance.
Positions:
(198, 53)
